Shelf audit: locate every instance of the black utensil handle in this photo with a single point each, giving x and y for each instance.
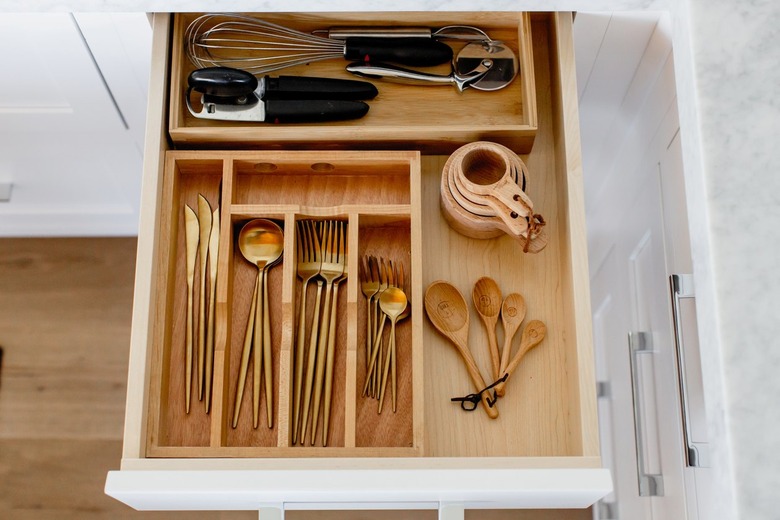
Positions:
(222, 82)
(417, 52)
(312, 110)
(302, 87)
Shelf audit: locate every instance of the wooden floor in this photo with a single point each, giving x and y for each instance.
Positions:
(65, 307)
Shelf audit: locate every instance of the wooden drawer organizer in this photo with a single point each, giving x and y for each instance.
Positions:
(377, 193)
(402, 115)
(543, 450)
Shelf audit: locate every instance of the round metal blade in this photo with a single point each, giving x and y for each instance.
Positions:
(502, 72)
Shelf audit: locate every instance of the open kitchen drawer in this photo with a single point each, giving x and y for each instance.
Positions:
(542, 451)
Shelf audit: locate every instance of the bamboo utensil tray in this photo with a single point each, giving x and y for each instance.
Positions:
(432, 118)
(377, 193)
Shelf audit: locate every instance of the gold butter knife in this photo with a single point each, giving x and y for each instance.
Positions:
(191, 233)
(204, 220)
(213, 262)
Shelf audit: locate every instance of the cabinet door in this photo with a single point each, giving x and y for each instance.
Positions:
(678, 256)
(640, 409)
(68, 149)
(637, 238)
(634, 335)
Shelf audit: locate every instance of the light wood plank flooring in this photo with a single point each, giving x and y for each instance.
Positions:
(65, 307)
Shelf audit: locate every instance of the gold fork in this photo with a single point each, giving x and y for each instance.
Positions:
(379, 273)
(309, 262)
(370, 287)
(332, 268)
(311, 356)
(342, 259)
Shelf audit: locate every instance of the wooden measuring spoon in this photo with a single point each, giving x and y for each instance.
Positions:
(512, 316)
(448, 312)
(533, 334)
(487, 301)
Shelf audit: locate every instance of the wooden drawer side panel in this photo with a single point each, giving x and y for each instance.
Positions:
(141, 341)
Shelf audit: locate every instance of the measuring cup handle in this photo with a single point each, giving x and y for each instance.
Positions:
(511, 205)
(510, 194)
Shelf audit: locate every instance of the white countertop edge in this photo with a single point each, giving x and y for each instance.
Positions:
(359, 489)
(343, 6)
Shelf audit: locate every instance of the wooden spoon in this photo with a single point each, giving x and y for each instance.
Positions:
(447, 310)
(512, 316)
(487, 301)
(533, 334)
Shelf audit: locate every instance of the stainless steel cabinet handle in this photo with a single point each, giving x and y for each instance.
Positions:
(696, 453)
(649, 485)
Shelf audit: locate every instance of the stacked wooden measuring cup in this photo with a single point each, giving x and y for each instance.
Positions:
(483, 195)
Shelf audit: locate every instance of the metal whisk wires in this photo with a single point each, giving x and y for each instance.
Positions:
(254, 45)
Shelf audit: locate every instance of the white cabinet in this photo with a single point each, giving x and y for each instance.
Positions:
(72, 104)
(638, 237)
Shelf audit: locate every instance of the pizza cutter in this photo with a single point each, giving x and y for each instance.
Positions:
(481, 65)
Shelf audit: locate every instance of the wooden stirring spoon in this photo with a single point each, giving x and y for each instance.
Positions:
(512, 316)
(533, 334)
(487, 301)
(448, 312)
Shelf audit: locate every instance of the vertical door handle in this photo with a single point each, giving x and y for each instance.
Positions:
(649, 485)
(696, 453)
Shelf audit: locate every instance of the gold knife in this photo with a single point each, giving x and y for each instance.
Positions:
(213, 262)
(191, 232)
(204, 220)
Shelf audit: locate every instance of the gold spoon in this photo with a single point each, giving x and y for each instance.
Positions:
(487, 301)
(261, 242)
(392, 301)
(448, 312)
(250, 325)
(512, 316)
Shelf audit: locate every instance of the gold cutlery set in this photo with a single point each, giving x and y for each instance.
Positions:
(261, 242)
(322, 258)
(201, 243)
(382, 285)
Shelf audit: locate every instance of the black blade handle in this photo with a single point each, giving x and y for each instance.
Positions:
(313, 110)
(222, 82)
(417, 52)
(302, 87)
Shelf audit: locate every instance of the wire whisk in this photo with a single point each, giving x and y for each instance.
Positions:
(259, 47)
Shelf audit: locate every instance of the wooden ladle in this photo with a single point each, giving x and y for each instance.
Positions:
(533, 334)
(448, 312)
(487, 301)
(512, 316)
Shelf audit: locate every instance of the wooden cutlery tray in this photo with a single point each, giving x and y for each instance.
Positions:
(543, 449)
(429, 118)
(377, 194)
